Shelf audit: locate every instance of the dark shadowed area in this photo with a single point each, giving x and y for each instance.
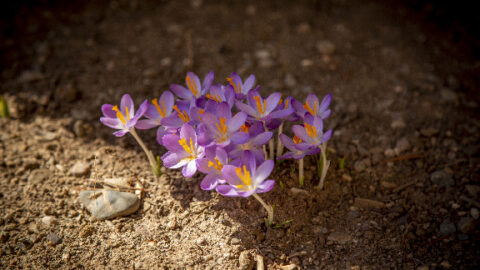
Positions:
(404, 76)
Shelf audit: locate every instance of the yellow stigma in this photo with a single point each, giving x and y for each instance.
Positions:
(260, 107)
(184, 116)
(216, 97)
(311, 131)
(222, 127)
(217, 165)
(237, 88)
(160, 111)
(309, 109)
(286, 103)
(245, 177)
(189, 149)
(245, 128)
(192, 86)
(120, 115)
(296, 140)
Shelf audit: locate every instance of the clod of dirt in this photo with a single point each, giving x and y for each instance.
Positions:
(38, 176)
(245, 260)
(106, 204)
(53, 239)
(339, 237)
(367, 203)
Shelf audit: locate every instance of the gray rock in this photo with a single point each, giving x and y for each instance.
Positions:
(38, 176)
(466, 225)
(441, 178)
(80, 168)
(49, 220)
(339, 237)
(447, 227)
(53, 239)
(106, 204)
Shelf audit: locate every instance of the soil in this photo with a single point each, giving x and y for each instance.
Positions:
(404, 80)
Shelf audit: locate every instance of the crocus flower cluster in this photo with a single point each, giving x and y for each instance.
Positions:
(223, 130)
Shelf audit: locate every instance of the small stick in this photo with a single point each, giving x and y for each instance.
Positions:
(279, 142)
(300, 171)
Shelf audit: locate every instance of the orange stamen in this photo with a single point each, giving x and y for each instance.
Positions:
(296, 140)
(184, 116)
(236, 88)
(311, 131)
(119, 114)
(217, 165)
(245, 128)
(160, 111)
(245, 176)
(260, 108)
(193, 88)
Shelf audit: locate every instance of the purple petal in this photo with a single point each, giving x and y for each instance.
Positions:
(325, 114)
(230, 174)
(246, 108)
(221, 155)
(272, 102)
(168, 100)
(248, 84)
(160, 133)
(171, 142)
(127, 102)
(311, 99)
(227, 190)
(326, 136)
(266, 186)
(181, 91)
(263, 171)
(140, 112)
(287, 142)
(170, 159)
(301, 133)
(236, 122)
(189, 170)
(325, 102)
(209, 182)
(120, 133)
(172, 121)
(108, 112)
(286, 156)
(223, 110)
(111, 122)
(262, 138)
(239, 137)
(207, 81)
(188, 132)
(146, 124)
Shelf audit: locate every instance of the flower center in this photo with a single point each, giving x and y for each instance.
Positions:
(309, 109)
(190, 149)
(245, 128)
(160, 111)
(237, 88)
(311, 131)
(296, 140)
(217, 165)
(260, 107)
(245, 177)
(216, 97)
(184, 116)
(120, 114)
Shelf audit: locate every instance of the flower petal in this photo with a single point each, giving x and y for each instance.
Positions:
(120, 133)
(237, 121)
(266, 186)
(146, 124)
(207, 81)
(209, 182)
(108, 112)
(272, 102)
(263, 171)
(248, 84)
(239, 137)
(262, 138)
(246, 108)
(191, 168)
(111, 122)
(230, 174)
(127, 102)
(181, 91)
(171, 142)
(227, 190)
(168, 100)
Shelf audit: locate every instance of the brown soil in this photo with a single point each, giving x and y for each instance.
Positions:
(404, 84)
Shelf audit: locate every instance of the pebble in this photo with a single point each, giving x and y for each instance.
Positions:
(388, 185)
(359, 166)
(428, 132)
(87, 231)
(108, 204)
(235, 241)
(441, 178)
(80, 168)
(262, 54)
(474, 212)
(389, 153)
(325, 47)
(398, 124)
(245, 260)
(368, 204)
(447, 227)
(346, 177)
(49, 220)
(298, 191)
(38, 176)
(53, 239)
(289, 267)
(339, 237)
(306, 63)
(466, 225)
(402, 146)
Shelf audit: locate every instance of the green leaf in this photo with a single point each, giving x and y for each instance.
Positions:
(4, 112)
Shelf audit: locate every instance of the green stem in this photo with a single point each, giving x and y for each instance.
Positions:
(267, 207)
(149, 154)
(325, 165)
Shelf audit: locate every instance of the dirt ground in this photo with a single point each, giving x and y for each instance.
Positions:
(405, 115)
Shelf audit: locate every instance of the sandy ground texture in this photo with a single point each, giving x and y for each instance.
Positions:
(405, 118)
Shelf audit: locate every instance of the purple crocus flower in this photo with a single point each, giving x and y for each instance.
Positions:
(257, 138)
(298, 150)
(222, 93)
(312, 131)
(223, 128)
(156, 111)
(247, 179)
(257, 107)
(241, 88)
(195, 89)
(313, 107)
(212, 165)
(182, 115)
(183, 150)
(124, 118)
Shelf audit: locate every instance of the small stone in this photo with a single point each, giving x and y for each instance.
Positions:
(66, 257)
(165, 62)
(359, 166)
(306, 63)
(79, 129)
(441, 178)
(290, 80)
(447, 227)
(445, 264)
(53, 239)
(466, 225)
(49, 220)
(398, 124)
(150, 73)
(325, 47)
(87, 231)
(368, 204)
(38, 176)
(201, 241)
(245, 260)
(80, 168)
(298, 191)
(428, 132)
(106, 204)
(339, 237)
(30, 76)
(474, 212)
(346, 177)
(235, 241)
(402, 146)
(389, 153)
(262, 54)
(388, 185)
